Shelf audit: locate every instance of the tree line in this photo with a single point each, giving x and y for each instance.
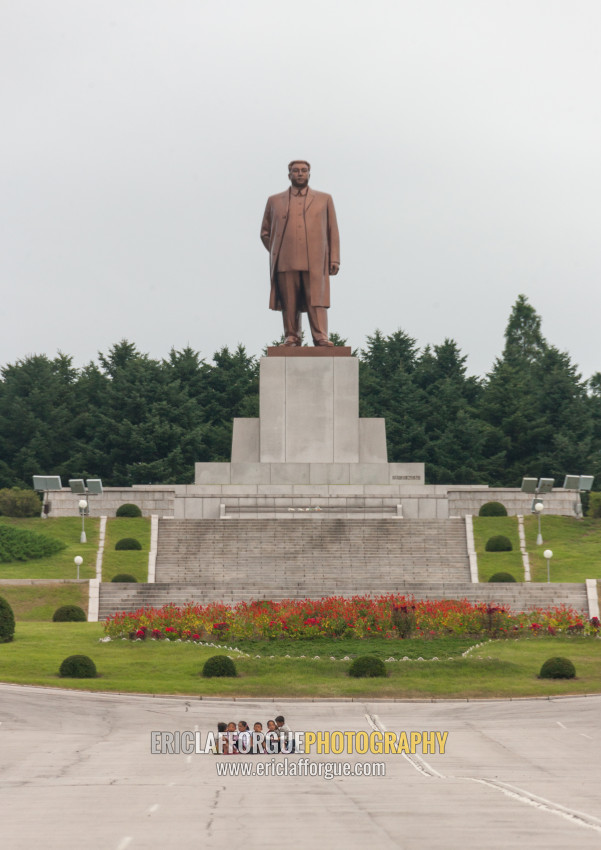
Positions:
(131, 419)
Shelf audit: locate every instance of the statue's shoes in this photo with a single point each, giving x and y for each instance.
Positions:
(325, 342)
(291, 342)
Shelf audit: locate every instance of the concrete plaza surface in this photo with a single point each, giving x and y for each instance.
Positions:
(76, 771)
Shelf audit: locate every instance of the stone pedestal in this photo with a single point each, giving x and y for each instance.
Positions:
(309, 413)
(309, 432)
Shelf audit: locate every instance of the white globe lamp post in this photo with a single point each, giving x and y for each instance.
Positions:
(539, 508)
(82, 510)
(548, 554)
(78, 561)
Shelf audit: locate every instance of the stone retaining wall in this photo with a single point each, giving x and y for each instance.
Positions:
(149, 498)
(204, 501)
(465, 502)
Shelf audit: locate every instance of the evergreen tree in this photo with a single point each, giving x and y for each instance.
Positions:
(232, 390)
(147, 428)
(565, 407)
(524, 341)
(130, 419)
(387, 390)
(454, 434)
(593, 465)
(39, 415)
(536, 405)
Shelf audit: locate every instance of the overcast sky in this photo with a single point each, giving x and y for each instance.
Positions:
(460, 140)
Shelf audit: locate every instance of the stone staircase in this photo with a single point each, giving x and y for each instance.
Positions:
(234, 560)
(519, 597)
(327, 555)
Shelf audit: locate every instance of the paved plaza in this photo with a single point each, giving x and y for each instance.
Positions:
(76, 770)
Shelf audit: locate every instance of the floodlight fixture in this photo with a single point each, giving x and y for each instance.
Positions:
(582, 483)
(46, 483)
(529, 485)
(578, 482)
(94, 487)
(545, 485)
(79, 487)
(586, 482)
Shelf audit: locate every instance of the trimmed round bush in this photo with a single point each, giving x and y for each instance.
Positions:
(367, 666)
(492, 509)
(128, 510)
(218, 665)
(128, 543)
(78, 667)
(69, 614)
(7, 621)
(557, 668)
(501, 577)
(498, 543)
(124, 577)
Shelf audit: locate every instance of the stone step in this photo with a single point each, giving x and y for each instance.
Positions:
(292, 559)
(519, 597)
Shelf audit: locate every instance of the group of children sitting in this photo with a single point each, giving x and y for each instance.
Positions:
(232, 738)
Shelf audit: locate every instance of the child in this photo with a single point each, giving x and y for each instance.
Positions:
(287, 742)
(244, 738)
(258, 738)
(272, 739)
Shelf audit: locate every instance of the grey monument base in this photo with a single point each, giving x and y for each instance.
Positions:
(309, 473)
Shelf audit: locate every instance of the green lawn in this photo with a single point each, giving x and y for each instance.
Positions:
(134, 562)
(67, 529)
(497, 669)
(575, 543)
(351, 647)
(39, 602)
(495, 562)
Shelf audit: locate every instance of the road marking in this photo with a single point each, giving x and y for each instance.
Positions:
(519, 794)
(125, 842)
(419, 763)
(579, 818)
(586, 736)
(153, 809)
(559, 723)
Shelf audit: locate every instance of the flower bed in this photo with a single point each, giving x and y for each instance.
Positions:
(391, 616)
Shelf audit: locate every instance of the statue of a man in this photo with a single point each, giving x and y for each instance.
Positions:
(301, 234)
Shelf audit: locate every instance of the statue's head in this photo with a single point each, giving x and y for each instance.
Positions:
(299, 171)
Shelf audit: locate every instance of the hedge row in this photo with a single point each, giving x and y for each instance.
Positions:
(17, 544)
